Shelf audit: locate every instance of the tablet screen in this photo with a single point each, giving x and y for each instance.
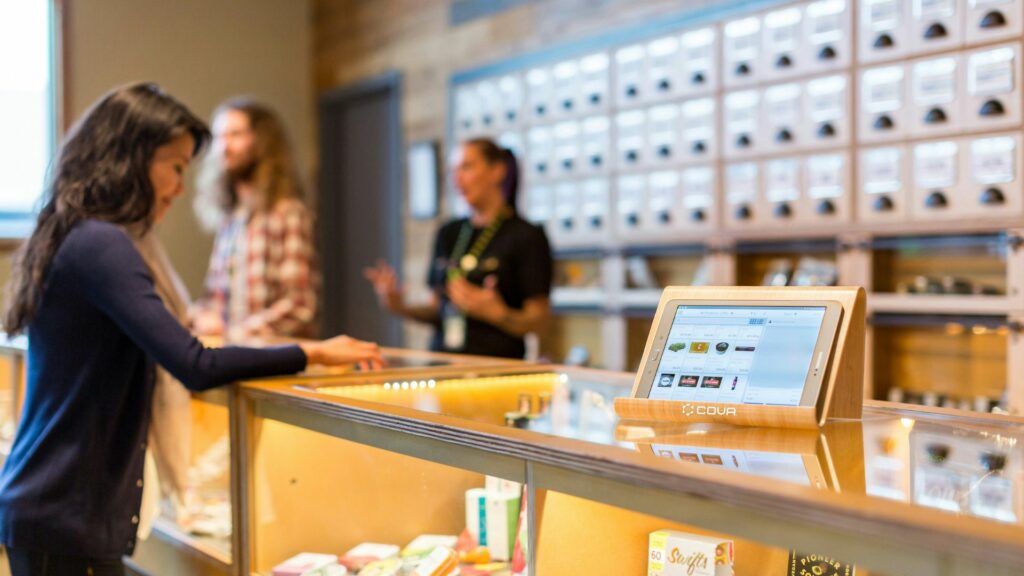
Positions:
(738, 354)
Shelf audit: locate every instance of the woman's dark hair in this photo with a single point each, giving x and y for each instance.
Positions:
(494, 153)
(101, 172)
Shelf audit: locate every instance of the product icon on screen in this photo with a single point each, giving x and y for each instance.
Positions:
(722, 347)
(699, 347)
(712, 382)
(712, 459)
(677, 347)
(689, 381)
(665, 380)
(689, 457)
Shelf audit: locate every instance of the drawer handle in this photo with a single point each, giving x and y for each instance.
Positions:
(541, 109)
(596, 160)
(935, 116)
(936, 200)
(697, 215)
(826, 207)
(743, 69)
(827, 53)
(743, 212)
(697, 78)
(937, 452)
(782, 210)
(510, 115)
(567, 164)
(743, 141)
(664, 85)
(883, 123)
(992, 197)
(631, 91)
(826, 130)
(883, 204)
(488, 120)
(784, 61)
(567, 223)
(542, 167)
(633, 220)
(595, 222)
(992, 461)
(665, 151)
(993, 19)
(632, 156)
(567, 104)
(883, 41)
(934, 31)
(992, 108)
(664, 217)
(784, 135)
(595, 98)
(467, 124)
(699, 147)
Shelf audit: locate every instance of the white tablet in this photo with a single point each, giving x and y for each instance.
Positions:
(765, 352)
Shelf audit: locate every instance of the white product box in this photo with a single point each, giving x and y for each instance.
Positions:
(679, 554)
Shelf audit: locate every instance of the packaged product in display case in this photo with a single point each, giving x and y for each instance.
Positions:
(672, 553)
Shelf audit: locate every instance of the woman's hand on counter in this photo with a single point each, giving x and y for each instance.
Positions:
(385, 284)
(343, 350)
(481, 302)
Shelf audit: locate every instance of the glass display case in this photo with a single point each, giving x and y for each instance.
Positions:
(195, 532)
(386, 460)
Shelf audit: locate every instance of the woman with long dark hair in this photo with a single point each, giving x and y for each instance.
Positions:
(490, 274)
(70, 490)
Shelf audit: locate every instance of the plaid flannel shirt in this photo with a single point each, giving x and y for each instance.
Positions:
(263, 276)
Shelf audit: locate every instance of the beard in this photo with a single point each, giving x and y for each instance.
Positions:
(242, 172)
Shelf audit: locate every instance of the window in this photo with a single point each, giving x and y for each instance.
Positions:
(27, 109)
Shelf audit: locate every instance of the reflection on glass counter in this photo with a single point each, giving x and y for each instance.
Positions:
(965, 469)
(543, 401)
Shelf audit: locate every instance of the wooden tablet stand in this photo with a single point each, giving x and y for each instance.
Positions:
(842, 386)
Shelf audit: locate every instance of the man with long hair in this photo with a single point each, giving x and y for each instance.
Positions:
(262, 278)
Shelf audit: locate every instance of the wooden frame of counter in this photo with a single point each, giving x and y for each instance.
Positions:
(877, 535)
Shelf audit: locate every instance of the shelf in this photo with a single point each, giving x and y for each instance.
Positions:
(641, 298)
(938, 304)
(575, 298)
(208, 550)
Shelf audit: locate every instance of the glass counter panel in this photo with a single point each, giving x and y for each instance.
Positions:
(576, 535)
(891, 455)
(316, 493)
(200, 518)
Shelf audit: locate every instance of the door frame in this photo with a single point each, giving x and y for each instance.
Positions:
(333, 102)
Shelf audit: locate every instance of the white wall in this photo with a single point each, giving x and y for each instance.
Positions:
(202, 51)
